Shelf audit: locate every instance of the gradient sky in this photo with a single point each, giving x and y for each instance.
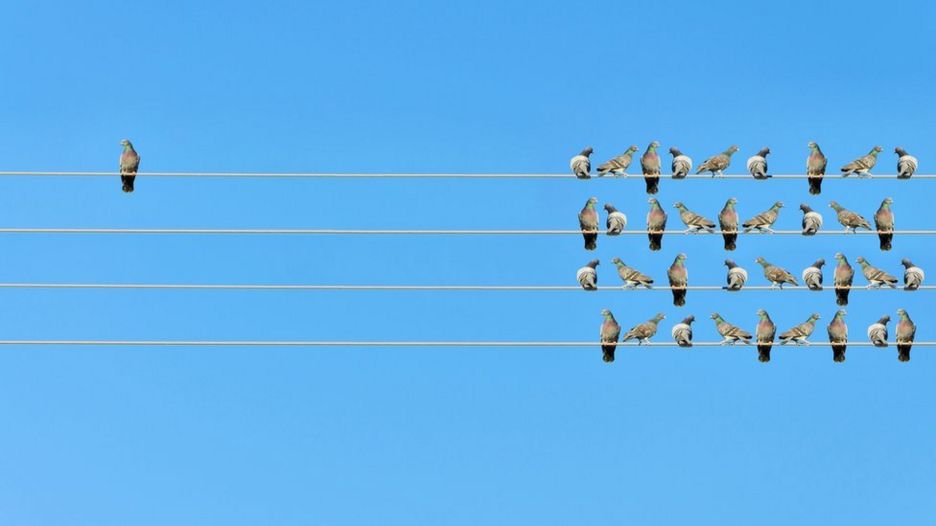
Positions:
(440, 436)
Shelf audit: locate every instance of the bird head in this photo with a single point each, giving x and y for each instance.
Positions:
(887, 201)
(659, 316)
(631, 149)
(689, 319)
(861, 261)
(840, 314)
(609, 208)
(840, 257)
(902, 313)
(729, 263)
(761, 261)
(617, 261)
(732, 149)
(126, 143)
(876, 150)
(606, 313)
(884, 319)
(653, 202)
(819, 263)
(761, 313)
(805, 208)
(587, 151)
(906, 263)
(674, 151)
(731, 201)
(592, 201)
(814, 316)
(834, 205)
(680, 258)
(900, 151)
(715, 316)
(594, 263)
(679, 205)
(778, 204)
(764, 152)
(812, 145)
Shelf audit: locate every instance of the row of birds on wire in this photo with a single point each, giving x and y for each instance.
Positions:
(729, 223)
(651, 165)
(764, 333)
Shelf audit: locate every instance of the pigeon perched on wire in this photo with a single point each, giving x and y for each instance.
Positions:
(838, 336)
(848, 219)
(862, 165)
(812, 275)
(682, 332)
(616, 222)
(906, 163)
(656, 224)
(815, 168)
(650, 163)
(581, 165)
(728, 223)
(729, 332)
(717, 164)
(631, 277)
(587, 276)
(678, 279)
(906, 331)
(776, 275)
(757, 164)
(682, 164)
(694, 222)
(812, 220)
(877, 332)
(913, 275)
(736, 276)
(610, 331)
(618, 166)
(876, 277)
(800, 333)
(842, 279)
(764, 220)
(764, 333)
(129, 164)
(588, 222)
(884, 222)
(644, 331)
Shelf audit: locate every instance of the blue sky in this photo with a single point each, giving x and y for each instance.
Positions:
(404, 436)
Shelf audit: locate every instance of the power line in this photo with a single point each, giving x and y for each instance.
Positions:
(344, 343)
(414, 232)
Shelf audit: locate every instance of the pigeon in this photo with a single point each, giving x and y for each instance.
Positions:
(815, 168)
(678, 279)
(616, 222)
(728, 222)
(736, 276)
(913, 275)
(618, 165)
(906, 330)
(876, 277)
(682, 164)
(765, 335)
(884, 222)
(842, 279)
(848, 219)
(631, 276)
(129, 164)
(580, 165)
(812, 276)
(877, 332)
(801, 332)
(588, 222)
(682, 332)
(757, 164)
(587, 276)
(906, 163)
(656, 224)
(862, 165)
(610, 330)
(694, 222)
(838, 336)
(644, 331)
(812, 220)
(718, 163)
(776, 275)
(763, 221)
(650, 162)
(729, 332)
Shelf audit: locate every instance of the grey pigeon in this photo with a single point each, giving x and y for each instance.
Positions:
(757, 165)
(801, 332)
(650, 163)
(129, 164)
(862, 165)
(694, 222)
(776, 275)
(644, 331)
(913, 275)
(581, 165)
(838, 336)
(877, 332)
(906, 331)
(616, 222)
(842, 279)
(812, 275)
(763, 221)
(729, 332)
(588, 222)
(718, 163)
(848, 219)
(876, 277)
(587, 276)
(812, 220)
(610, 331)
(736, 276)
(728, 223)
(884, 223)
(678, 279)
(815, 168)
(682, 332)
(682, 164)
(656, 224)
(906, 163)
(618, 165)
(765, 332)
(631, 277)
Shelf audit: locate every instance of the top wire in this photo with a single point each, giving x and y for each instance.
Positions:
(327, 175)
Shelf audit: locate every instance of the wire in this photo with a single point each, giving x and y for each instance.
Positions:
(205, 286)
(339, 343)
(435, 232)
(329, 175)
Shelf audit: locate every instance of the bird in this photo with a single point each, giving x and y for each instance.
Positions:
(736, 276)
(764, 220)
(906, 163)
(631, 276)
(581, 165)
(812, 220)
(644, 331)
(815, 168)
(656, 224)
(718, 163)
(876, 277)
(650, 163)
(862, 165)
(838, 336)
(129, 164)
(694, 222)
(678, 279)
(801, 332)
(877, 332)
(764, 333)
(906, 330)
(757, 164)
(618, 165)
(884, 223)
(587, 276)
(588, 222)
(913, 275)
(728, 223)
(850, 220)
(776, 275)
(616, 222)
(729, 332)
(682, 164)
(842, 279)
(812, 275)
(682, 332)
(610, 331)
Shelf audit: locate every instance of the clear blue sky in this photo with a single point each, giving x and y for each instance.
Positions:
(407, 436)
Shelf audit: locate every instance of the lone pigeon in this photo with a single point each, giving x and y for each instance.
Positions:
(884, 222)
(650, 162)
(644, 331)
(812, 220)
(682, 332)
(862, 165)
(877, 332)
(838, 336)
(588, 222)
(616, 222)
(656, 224)
(801, 332)
(618, 165)
(610, 330)
(678, 279)
(815, 168)
(631, 276)
(580, 165)
(694, 222)
(728, 222)
(812, 276)
(763, 221)
(850, 220)
(906, 331)
(765, 332)
(876, 277)
(913, 275)
(129, 164)
(906, 163)
(729, 332)
(776, 275)
(757, 164)
(682, 164)
(587, 276)
(718, 163)
(736, 276)
(842, 279)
